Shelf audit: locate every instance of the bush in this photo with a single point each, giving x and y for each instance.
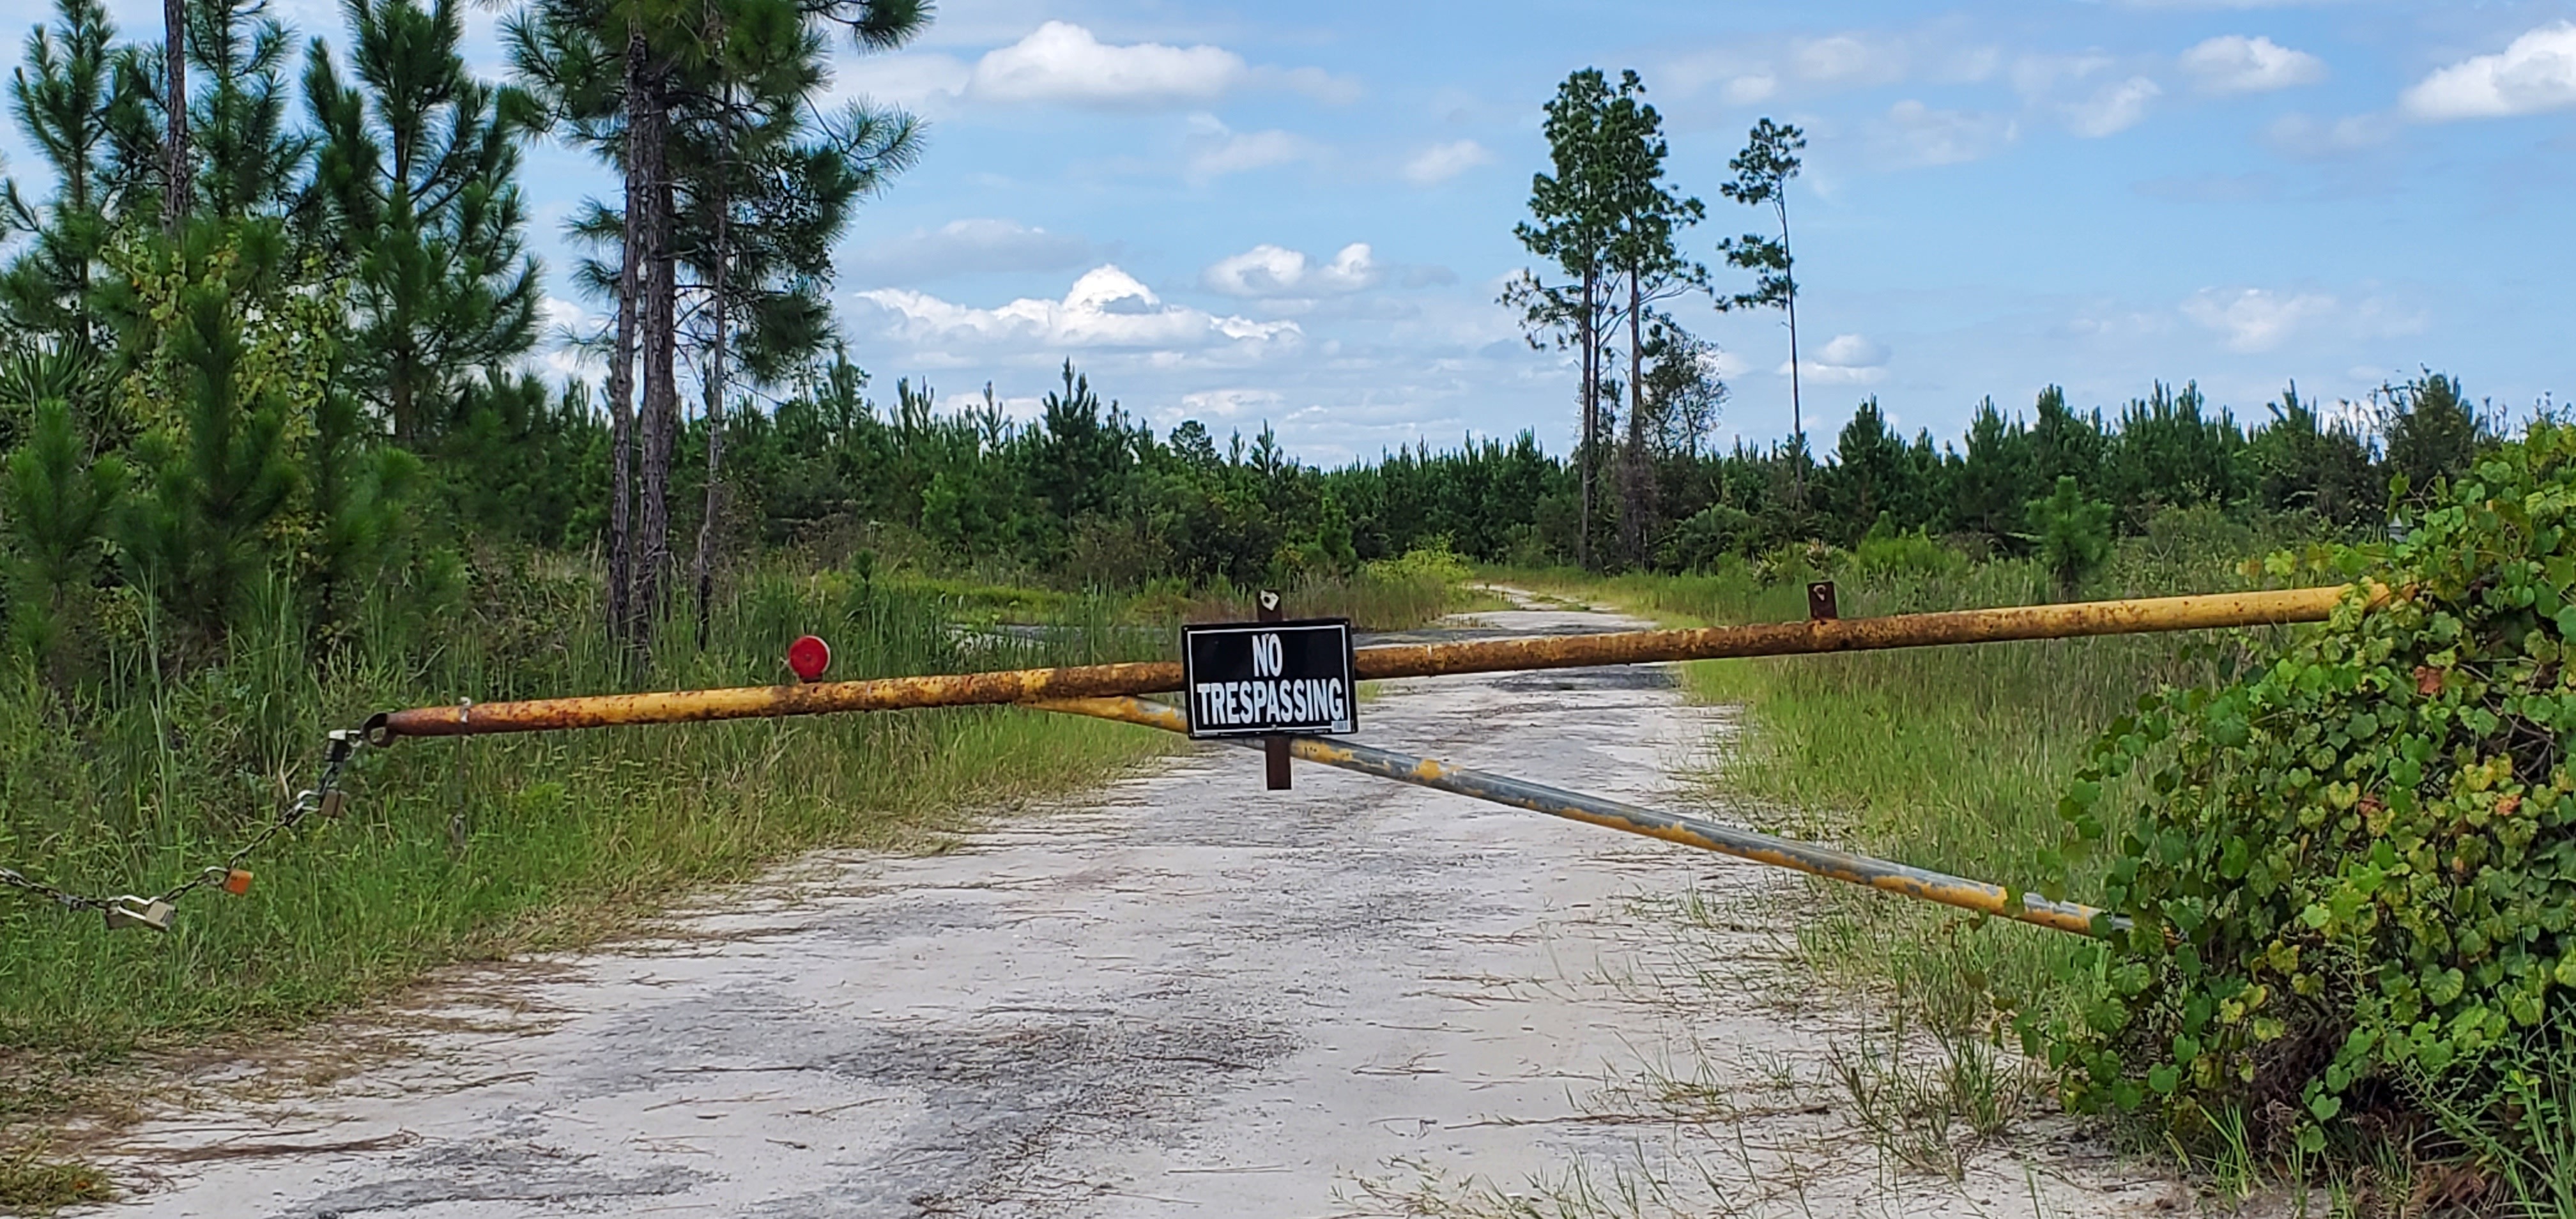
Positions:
(2353, 873)
(1700, 540)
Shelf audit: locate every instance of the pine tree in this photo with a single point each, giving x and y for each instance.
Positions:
(633, 78)
(57, 504)
(247, 157)
(1573, 218)
(66, 98)
(2433, 431)
(1642, 249)
(768, 193)
(219, 471)
(413, 191)
(1762, 173)
(357, 495)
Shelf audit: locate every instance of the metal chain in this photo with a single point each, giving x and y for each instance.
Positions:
(339, 746)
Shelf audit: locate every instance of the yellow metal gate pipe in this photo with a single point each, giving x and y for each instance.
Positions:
(1807, 857)
(1406, 660)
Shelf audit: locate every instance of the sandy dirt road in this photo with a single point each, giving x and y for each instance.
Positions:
(1187, 996)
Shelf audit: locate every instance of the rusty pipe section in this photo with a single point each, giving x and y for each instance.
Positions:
(1407, 660)
(1807, 857)
(2068, 621)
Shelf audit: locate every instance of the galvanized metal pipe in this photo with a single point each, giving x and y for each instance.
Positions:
(1409, 660)
(1807, 857)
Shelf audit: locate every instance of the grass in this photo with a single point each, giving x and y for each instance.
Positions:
(1950, 758)
(31, 1184)
(465, 849)
(1947, 758)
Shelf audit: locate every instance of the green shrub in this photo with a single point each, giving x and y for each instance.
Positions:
(2352, 873)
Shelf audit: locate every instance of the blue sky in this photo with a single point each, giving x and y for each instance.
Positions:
(1301, 214)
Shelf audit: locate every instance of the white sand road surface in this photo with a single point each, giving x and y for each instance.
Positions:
(1184, 996)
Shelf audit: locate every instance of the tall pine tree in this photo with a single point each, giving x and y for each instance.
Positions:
(414, 192)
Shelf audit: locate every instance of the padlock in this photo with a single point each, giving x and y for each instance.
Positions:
(236, 882)
(334, 803)
(131, 911)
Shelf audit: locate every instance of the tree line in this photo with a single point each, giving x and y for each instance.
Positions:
(267, 312)
(267, 307)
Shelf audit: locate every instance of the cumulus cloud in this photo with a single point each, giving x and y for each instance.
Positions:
(1105, 308)
(1846, 359)
(961, 246)
(2233, 63)
(2113, 108)
(1063, 62)
(1274, 271)
(2536, 72)
(1916, 134)
(1441, 162)
(2259, 320)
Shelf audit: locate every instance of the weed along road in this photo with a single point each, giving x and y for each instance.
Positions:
(1186, 996)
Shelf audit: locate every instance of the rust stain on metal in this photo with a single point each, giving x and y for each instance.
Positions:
(880, 694)
(1411, 660)
(2079, 619)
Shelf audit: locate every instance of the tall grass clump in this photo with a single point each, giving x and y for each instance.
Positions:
(456, 849)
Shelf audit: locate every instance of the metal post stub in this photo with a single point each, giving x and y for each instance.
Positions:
(1274, 750)
(1820, 601)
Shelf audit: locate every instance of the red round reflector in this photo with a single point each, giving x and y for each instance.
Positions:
(809, 657)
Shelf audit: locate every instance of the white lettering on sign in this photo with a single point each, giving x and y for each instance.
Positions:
(1267, 656)
(1295, 701)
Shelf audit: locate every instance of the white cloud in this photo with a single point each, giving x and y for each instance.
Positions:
(559, 358)
(1225, 403)
(1274, 271)
(1063, 62)
(1848, 59)
(2233, 63)
(2255, 319)
(1441, 162)
(1846, 359)
(2300, 135)
(1106, 308)
(917, 79)
(2113, 108)
(1218, 150)
(975, 244)
(2034, 75)
(1750, 88)
(2536, 72)
(1916, 134)
(2259, 320)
